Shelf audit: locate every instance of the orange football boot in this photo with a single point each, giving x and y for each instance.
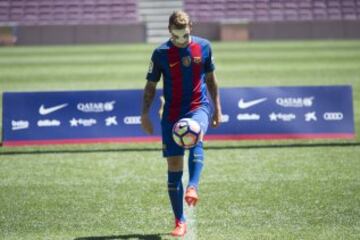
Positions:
(191, 197)
(179, 230)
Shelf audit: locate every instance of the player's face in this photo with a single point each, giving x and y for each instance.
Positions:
(181, 37)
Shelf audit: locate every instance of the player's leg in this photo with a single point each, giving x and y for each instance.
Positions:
(176, 193)
(195, 165)
(196, 162)
(175, 186)
(175, 160)
(196, 157)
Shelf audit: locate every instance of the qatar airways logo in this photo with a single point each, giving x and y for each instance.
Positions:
(295, 102)
(96, 107)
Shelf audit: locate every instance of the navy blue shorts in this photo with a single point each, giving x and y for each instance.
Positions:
(202, 115)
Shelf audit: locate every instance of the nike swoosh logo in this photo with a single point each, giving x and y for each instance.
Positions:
(44, 111)
(243, 105)
(173, 64)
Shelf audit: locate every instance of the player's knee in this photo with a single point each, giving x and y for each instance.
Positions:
(174, 181)
(175, 164)
(197, 153)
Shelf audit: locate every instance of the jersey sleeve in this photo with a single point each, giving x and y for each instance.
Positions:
(209, 61)
(154, 72)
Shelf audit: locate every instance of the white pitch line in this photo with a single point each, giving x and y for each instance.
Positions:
(190, 213)
(191, 223)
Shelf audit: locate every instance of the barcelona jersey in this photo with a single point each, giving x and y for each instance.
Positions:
(183, 71)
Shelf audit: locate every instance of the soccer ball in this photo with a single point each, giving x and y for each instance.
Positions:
(186, 132)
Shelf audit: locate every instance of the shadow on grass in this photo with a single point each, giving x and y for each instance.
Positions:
(127, 236)
(218, 147)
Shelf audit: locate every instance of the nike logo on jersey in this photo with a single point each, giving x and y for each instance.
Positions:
(243, 105)
(44, 111)
(174, 64)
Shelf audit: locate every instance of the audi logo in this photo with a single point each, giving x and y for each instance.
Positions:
(333, 116)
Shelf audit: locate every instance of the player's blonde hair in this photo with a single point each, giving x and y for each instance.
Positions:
(179, 19)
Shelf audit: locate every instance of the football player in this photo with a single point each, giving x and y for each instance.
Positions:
(186, 64)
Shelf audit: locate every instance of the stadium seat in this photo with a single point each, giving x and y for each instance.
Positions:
(42, 12)
(348, 3)
(291, 15)
(291, 5)
(305, 14)
(107, 11)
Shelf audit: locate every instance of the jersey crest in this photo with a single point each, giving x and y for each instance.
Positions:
(186, 61)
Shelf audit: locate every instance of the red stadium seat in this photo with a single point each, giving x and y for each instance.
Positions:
(41, 12)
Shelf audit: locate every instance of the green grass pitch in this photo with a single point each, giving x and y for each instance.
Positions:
(249, 189)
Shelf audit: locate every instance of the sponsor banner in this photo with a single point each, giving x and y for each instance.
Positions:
(75, 117)
(248, 113)
(286, 112)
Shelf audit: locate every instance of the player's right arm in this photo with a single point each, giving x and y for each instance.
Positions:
(153, 77)
(149, 94)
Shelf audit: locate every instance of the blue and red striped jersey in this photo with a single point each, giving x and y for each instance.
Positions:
(183, 71)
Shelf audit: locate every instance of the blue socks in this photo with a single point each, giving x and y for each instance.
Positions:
(175, 186)
(176, 194)
(196, 158)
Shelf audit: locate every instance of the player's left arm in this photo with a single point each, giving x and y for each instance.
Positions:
(212, 86)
